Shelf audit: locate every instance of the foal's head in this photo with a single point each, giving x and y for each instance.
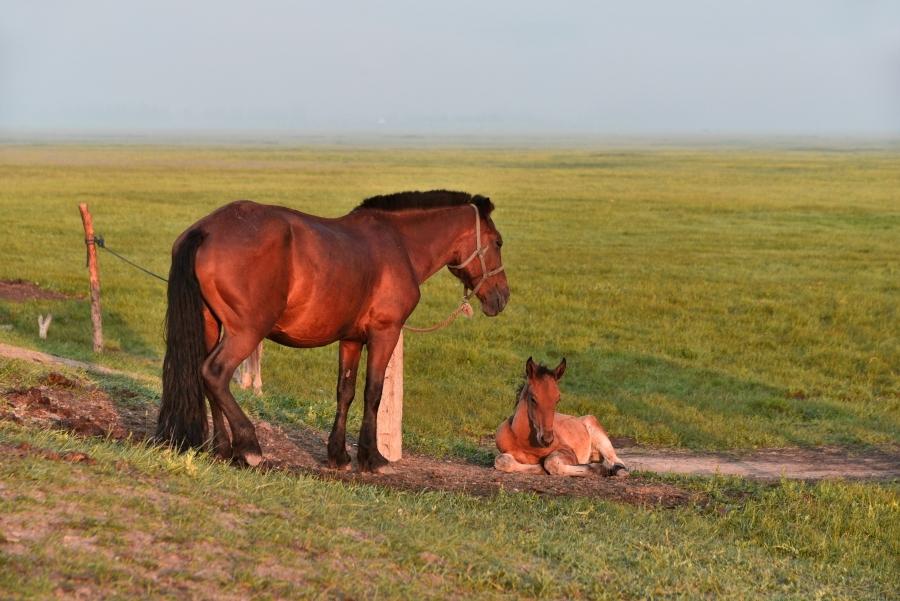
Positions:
(478, 263)
(540, 395)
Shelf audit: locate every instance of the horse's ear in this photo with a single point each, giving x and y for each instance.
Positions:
(560, 369)
(484, 204)
(530, 368)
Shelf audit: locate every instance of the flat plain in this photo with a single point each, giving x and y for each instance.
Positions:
(716, 299)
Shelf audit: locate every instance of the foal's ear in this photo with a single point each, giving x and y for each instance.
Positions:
(560, 369)
(530, 368)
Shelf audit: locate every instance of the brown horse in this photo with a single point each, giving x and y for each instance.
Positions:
(249, 271)
(537, 440)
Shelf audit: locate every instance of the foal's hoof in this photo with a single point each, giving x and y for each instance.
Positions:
(619, 471)
(504, 462)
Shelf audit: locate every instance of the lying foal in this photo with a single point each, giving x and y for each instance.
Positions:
(537, 440)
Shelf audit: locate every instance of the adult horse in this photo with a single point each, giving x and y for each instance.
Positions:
(249, 271)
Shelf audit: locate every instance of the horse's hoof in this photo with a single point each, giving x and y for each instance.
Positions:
(250, 458)
(382, 466)
(338, 466)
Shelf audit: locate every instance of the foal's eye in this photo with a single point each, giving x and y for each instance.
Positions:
(499, 243)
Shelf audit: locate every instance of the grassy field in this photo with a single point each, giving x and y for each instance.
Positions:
(89, 518)
(708, 299)
(703, 299)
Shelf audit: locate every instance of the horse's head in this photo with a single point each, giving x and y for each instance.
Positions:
(477, 262)
(540, 395)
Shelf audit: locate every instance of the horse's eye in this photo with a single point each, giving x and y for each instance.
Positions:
(499, 243)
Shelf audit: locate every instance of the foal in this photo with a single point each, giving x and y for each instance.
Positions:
(537, 440)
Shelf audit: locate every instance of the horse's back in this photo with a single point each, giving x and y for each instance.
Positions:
(306, 280)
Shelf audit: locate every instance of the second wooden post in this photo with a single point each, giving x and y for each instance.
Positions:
(390, 410)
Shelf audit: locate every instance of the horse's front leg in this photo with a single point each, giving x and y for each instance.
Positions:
(379, 349)
(348, 363)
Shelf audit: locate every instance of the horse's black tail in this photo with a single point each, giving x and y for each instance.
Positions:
(182, 412)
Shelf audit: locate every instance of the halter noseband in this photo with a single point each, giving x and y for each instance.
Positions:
(478, 252)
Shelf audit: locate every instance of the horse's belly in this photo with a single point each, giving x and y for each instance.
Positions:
(308, 329)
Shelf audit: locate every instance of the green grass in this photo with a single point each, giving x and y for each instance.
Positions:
(708, 299)
(705, 299)
(144, 522)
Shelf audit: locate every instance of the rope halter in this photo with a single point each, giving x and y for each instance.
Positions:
(479, 252)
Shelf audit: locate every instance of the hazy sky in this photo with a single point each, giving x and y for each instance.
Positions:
(625, 67)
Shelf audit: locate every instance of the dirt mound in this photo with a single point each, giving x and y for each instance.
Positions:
(304, 450)
(64, 404)
(21, 291)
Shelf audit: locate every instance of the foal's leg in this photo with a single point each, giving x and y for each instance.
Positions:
(348, 363)
(217, 371)
(221, 443)
(507, 463)
(602, 449)
(563, 462)
(379, 349)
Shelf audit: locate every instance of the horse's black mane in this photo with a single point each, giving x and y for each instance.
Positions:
(427, 200)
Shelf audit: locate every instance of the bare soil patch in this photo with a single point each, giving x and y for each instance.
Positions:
(61, 403)
(64, 404)
(20, 291)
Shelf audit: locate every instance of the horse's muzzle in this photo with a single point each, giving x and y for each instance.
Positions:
(495, 301)
(546, 439)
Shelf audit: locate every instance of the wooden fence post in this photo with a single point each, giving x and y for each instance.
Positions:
(96, 319)
(249, 372)
(390, 411)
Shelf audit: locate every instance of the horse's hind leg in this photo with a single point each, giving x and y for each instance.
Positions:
(602, 449)
(217, 371)
(507, 463)
(221, 443)
(564, 463)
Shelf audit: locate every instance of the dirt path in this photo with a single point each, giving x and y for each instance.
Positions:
(17, 352)
(769, 464)
(74, 406)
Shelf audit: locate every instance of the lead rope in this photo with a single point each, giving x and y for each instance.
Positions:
(464, 307)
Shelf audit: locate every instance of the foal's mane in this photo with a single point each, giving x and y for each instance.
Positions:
(542, 370)
(433, 199)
